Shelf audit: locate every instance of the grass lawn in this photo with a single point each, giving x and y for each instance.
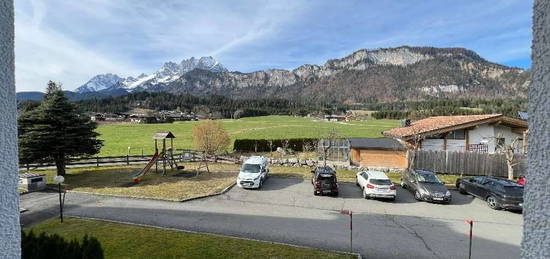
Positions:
(116, 180)
(129, 241)
(118, 137)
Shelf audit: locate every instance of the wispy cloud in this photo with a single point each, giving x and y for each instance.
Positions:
(71, 41)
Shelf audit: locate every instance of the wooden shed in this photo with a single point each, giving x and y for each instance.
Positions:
(378, 152)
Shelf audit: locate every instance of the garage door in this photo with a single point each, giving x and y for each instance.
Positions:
(383, 158)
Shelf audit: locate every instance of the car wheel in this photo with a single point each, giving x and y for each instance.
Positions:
(492, 202)
(336, 194)
(417, 196)
(260, 184)
(356, 182)
(364, 194)
(392, 199)
(315, 193)
(461, 189)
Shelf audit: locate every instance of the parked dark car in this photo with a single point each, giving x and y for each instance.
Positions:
(499, 193)
(426, 186)
(324, 181)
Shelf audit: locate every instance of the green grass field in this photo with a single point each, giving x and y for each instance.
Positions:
(118, 137)
(129, 241)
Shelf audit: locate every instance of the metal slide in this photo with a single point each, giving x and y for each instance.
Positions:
(137, 175)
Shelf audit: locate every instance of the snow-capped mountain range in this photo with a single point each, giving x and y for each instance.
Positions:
(169, 72)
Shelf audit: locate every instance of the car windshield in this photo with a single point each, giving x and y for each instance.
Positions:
(380, 181)
(427, 178)
(250, 168)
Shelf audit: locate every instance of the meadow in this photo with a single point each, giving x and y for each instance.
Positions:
(120, 240)
(118, 137)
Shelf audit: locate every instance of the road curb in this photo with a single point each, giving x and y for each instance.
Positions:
(155, 199)
(211, 195)
(218, 235)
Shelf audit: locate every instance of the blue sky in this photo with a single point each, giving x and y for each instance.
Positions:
(71, 41)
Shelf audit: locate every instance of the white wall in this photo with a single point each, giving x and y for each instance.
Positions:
(508, 135)
(456, 145)
(483, 133)
(536, 226)
(10, 235)
(432, 144)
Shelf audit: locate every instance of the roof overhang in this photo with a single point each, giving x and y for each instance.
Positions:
(517, 125)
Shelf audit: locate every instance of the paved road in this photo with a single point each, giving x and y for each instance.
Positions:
(286, 211)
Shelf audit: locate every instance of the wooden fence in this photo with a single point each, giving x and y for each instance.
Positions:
(467, 163)
(181, 155)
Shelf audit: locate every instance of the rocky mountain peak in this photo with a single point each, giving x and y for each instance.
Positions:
(205, 63)
(100, 82)
(385, 74)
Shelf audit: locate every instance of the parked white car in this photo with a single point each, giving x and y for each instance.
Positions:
(376, 184)
(253, 173)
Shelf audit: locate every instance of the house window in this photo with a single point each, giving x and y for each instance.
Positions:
(457, 134)
(437, 136)
(499, 143)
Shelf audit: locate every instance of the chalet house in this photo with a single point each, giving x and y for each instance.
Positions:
(97, 117)
(481, 133)
(377, 152)
(339, 118)
(141, 118)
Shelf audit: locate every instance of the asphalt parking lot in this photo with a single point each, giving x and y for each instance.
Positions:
(285, 210)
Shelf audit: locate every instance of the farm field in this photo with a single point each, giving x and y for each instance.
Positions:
(118, 137)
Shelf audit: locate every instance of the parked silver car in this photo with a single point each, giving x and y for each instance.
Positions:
(426, 186)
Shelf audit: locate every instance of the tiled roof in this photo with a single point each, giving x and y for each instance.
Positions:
(163, 135)
(441, 124)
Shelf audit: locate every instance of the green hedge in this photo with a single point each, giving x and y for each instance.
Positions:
(54, 246)
(263, 145)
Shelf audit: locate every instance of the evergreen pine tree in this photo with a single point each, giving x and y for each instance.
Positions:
(55, 130)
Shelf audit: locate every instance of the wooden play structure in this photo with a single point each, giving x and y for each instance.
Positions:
(163, 154)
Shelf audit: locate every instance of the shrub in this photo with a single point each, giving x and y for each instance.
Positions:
(54, 246)
(264, 145)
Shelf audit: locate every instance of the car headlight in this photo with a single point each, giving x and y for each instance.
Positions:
(448, 193)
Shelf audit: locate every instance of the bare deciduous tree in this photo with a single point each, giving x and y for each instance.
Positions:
(210, 138)
(510, 153)
(414, 145)
(326, 143)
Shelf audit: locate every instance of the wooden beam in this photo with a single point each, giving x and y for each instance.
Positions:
(445, 142)
(520, 131)
(467, 137)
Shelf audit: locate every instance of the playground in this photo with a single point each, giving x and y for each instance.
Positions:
(117, 181)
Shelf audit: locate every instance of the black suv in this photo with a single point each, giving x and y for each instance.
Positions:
(426, 186)
(499, 193)
(324, 181)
